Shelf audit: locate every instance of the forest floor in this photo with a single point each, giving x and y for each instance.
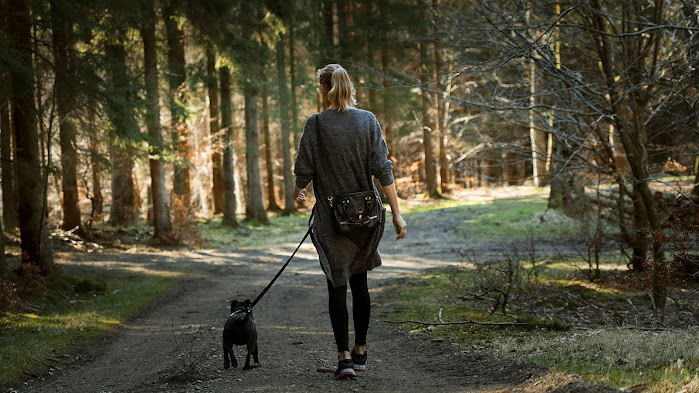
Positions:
(175, 344)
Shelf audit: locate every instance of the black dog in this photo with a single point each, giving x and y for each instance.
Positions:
(240, 329)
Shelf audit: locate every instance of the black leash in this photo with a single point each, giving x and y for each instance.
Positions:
(264, 291)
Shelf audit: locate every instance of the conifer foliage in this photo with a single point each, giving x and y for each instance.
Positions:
(115, 111)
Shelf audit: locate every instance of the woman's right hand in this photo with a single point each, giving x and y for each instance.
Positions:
(401, 226)
(299, 194)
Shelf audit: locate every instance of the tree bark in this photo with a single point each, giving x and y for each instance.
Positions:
(254, 206)
(162, 226)
(228, 170)
(9, 191)
(214, 129)
(440, 97)
(387, 103)
(120, 110)
(3, 262)
(538, 153)
(35, 243)
(289, 205)
(343, 39)
(177, 104)
(635, 154)
(269, 166)
(428, 127)
(95, 162)
(695, 190)
(65, 83)
(295, 129)
(371, 56)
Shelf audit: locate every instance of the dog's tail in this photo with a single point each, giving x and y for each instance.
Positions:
(248, 315)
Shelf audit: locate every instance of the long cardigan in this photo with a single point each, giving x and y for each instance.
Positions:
(353, 145)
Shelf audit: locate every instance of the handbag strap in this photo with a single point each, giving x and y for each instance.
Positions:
(322, 158)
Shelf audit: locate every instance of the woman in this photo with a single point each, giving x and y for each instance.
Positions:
(352, 147)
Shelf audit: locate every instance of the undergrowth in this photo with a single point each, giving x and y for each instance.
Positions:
(68, 314)
(599, 329)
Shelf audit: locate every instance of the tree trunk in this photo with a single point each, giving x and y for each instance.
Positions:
(9, 191)
(36, 246)
(120, 110)
(254, 206)
(440, 96)
(214, 129)
(329, 8)
(639, 241)
(65, 83)
(162, 226)
(636, 157)
(428, 126)
(295, 129)
(228, 170)
(343, 39)
(177, 104)
(95, 162)
(371, 55)
(289, 205)
(695, 190)
(269, 166)
(536, 138)
(556, 183)
(3, 262)
(387, 104)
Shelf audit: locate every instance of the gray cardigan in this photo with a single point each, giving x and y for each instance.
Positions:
(352, 142)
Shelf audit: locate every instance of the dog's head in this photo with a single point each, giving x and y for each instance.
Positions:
(236, 305)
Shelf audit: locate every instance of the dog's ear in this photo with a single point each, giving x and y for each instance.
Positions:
(247, 302)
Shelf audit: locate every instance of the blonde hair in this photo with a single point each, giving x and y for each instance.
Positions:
(338, 86)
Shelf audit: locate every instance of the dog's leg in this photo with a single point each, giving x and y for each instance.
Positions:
(226, 360)
(254, 355)
(229, 356)
(251, 351)
(247, 362)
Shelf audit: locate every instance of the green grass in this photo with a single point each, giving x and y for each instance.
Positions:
(663, 361)
(28, 340)
(619, 357)
(514, 219)
(281, 229)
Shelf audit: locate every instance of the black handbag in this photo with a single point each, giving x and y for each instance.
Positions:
(355, 211)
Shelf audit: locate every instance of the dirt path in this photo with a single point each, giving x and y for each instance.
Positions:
(176, 345)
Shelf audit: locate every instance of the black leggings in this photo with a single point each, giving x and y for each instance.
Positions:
(361, 310)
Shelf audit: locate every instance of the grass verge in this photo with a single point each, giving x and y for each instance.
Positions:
(280, 229)
(31, 342)
(660, 361)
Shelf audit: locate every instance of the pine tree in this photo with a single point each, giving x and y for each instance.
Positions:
(267, 140)
(177, 100)
(214, 129)
(229, 189)
(120, 109)
(35, 243)
(9, 192)
(63, 42)
(161, 212)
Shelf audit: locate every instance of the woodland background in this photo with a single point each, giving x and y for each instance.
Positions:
(114, 112)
